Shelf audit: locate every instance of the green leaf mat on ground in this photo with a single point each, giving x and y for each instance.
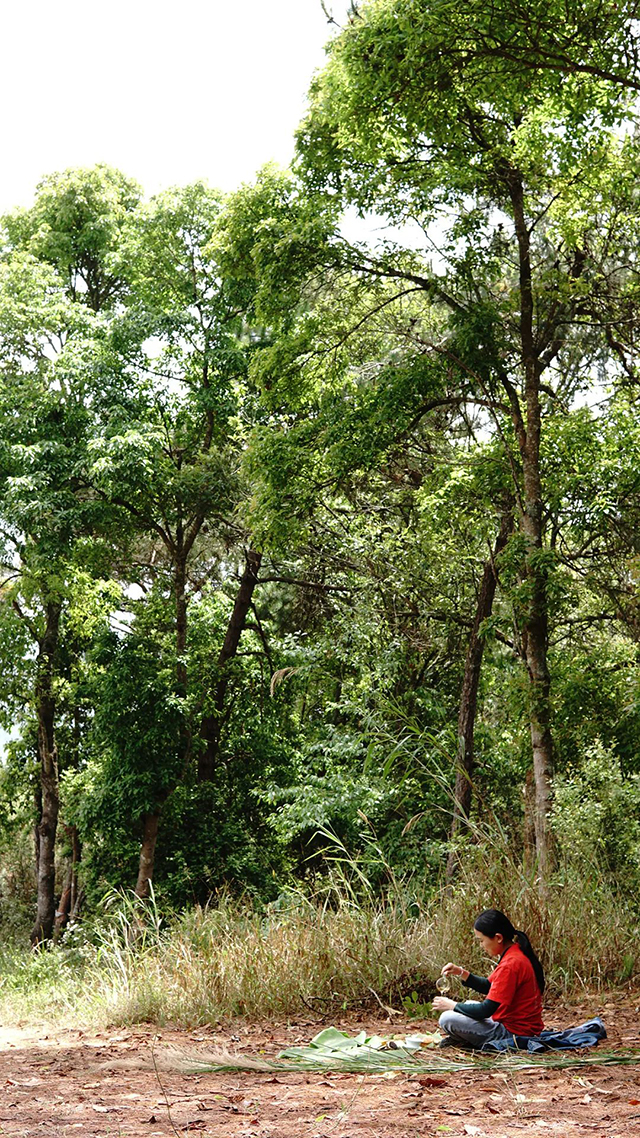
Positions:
(364, 1054)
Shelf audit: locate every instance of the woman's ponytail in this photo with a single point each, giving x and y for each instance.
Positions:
(524, 944)
(492, 921)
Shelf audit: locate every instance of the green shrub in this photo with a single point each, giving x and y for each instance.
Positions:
(596, 820)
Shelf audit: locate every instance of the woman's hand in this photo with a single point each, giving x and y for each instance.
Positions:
(455, 970)
(443, 1004)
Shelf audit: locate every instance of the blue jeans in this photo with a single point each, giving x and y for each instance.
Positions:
(471, 1032)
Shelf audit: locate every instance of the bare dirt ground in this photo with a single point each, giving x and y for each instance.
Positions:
(57, 1083)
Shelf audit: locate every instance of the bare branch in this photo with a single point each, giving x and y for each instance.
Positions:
(329, 16)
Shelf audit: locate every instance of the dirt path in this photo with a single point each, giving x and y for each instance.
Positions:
(64, 1083)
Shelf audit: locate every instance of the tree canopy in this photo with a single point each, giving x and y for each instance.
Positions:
(304, 534)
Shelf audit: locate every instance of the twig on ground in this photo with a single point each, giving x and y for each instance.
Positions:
(389, 1011)
(344, 1114)
(164, 1093)
(315, 1011)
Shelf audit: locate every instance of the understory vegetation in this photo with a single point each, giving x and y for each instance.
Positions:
(349, 947)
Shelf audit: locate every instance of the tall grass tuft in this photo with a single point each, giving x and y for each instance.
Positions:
(232, 960)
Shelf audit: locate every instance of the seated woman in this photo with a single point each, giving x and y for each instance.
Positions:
(513, 1003)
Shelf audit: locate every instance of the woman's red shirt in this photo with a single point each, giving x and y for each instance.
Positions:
(515, 988)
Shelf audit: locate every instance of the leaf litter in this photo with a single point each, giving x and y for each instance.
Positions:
(392, 1104)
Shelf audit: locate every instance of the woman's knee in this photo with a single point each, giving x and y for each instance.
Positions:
(446, 1021)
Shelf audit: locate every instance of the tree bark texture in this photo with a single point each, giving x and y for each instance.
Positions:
(147, 853)
(529, 826)
(47, 825)
(535, 619)
(37, 813)
(212, 724)
(469, 695)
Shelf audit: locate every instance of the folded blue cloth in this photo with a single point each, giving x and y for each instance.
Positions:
(586, 1035)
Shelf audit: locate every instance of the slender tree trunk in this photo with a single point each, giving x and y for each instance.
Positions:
(76, 858)
(77, 905)
(68, 897)
(213, 723)
(535, 622)
(469, 694)
(535, 644)
(47, 826)
(64, 904)
(180, 587)
(151, 820)
(37, 804)
(529, 822)
(147, 853)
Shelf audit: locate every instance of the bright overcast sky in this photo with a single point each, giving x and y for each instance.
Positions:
(166, 92)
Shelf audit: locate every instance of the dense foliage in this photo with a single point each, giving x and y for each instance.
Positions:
(308, 539)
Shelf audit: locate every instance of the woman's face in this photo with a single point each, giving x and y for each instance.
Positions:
(492, 945)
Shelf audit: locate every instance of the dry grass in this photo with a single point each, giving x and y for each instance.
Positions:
(229, 961)
(327, 954)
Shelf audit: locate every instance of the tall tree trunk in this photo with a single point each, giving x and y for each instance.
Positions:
(47, 826)
(469, 694)
(212, 724)
(147, 853)
(535, 621)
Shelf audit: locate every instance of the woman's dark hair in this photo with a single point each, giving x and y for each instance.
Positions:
(492, 921)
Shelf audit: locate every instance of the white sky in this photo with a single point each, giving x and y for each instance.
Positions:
(165, 92)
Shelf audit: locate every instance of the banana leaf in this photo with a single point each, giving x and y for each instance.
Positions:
(416, 1054)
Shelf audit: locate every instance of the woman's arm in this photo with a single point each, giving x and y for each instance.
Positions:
(477, 983)
(476, 1010)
